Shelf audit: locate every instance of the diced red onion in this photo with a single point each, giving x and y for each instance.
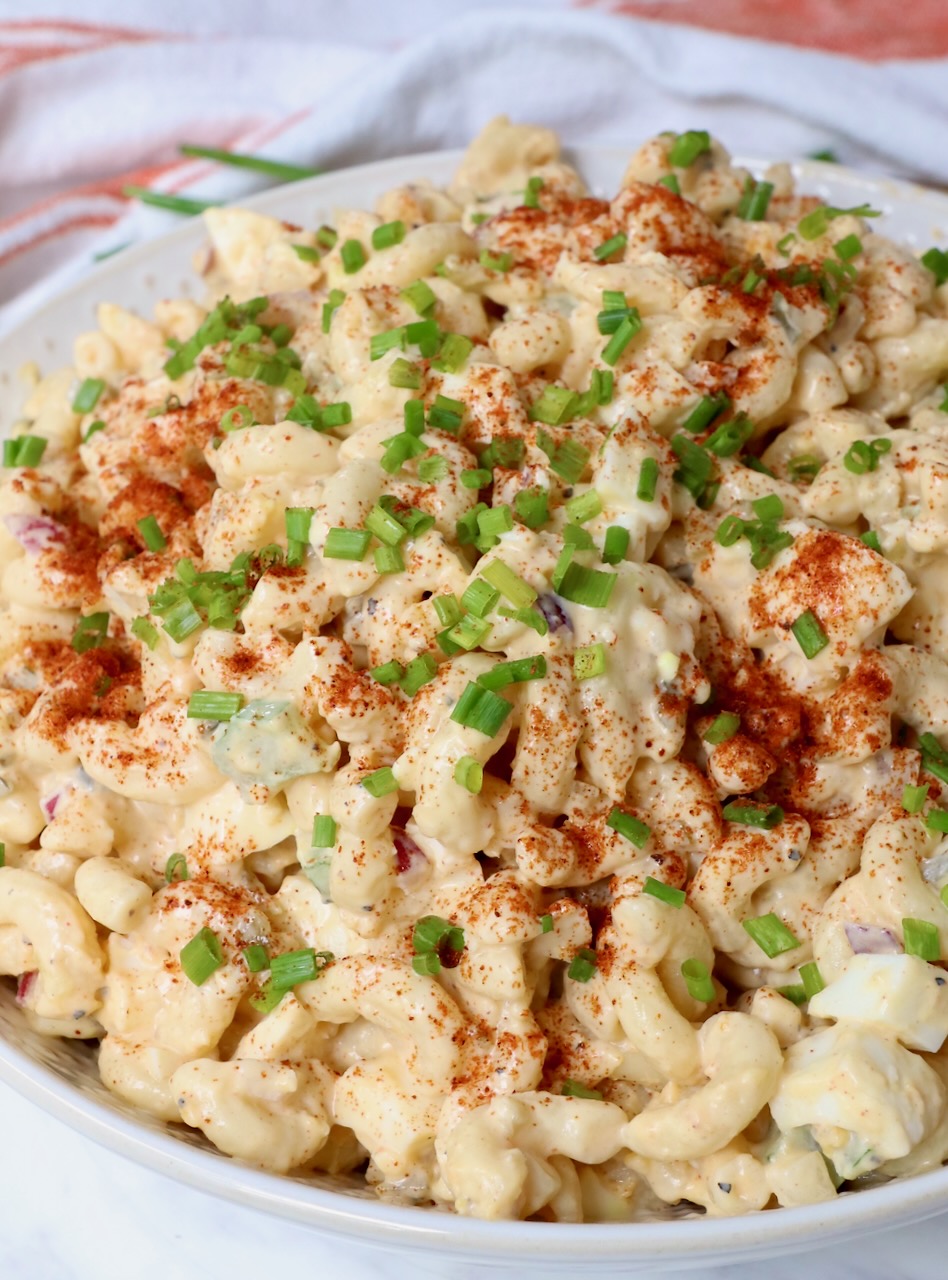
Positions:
(409, 859)
(556, 616)
(35, 533)
(24, 985)
(49, 805)
(872, 940)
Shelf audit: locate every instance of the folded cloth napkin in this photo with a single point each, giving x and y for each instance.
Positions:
(91, 109)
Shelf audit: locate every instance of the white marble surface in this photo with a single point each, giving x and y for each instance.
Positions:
(70, 1210)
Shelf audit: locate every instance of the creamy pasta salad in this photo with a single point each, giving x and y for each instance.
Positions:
(475, 693)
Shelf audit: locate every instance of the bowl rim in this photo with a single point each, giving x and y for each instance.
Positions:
(372, 1221)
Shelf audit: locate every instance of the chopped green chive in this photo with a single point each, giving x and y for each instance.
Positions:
(936, 260)
(145, 631)
(517, 671)
(546, 924)
(698, 980)
(324, 832)
(809, 635)
(504, 451)
(207, 704)
(531, 196)
(730, 437)
(91, 632)
(402, 373)
(863, 456)
(531, 505)
(784, 243)
(589, 587)
(615, 309)
(481, 709)
(688, 146)
(670, 183)
(705, 411)
(771, 934)
(580, 539)
(414, 415)
(729, 531)
(23, 451)
(388, 234)
(447, 609)
(346, 544)
(446, 414)
(176, 869)
(796, 994)
(335, 300)
(327, 237)
(768, 508)
(805, 466)
(425, 335)
(616, 542)
(469, 632)
(633, 829)
(98, 425)
(380, 783)
(476, 478)
(573, 1089)
(306, 252)
(495, 521)
(913, 798)
(723, 728)
(293, 967)
(695, 469)
(388, 559)
(567, 459)
(648, 480)
(584, 506)
(455, 349)
(583, 965)
(752, 815)
(352, 254)
(754, 201)
(921, 939)
(555, 406)
(419, 672)
(608, 247)
(386, 526)
(236, 419)
(617, 344)
(421, 296)
(501, 262)
(509, 584)
(469, 774)
(588, 661)
(201, 957)
(436, 941)
(816, 223)
(849, 247)
(812, 979)
(256, 958)
(387, 340)
(432, 470)
(88, 395)
(664, 892)
(151, 533)
(388, 673)
(937, 820)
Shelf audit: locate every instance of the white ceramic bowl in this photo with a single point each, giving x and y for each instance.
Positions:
(61, 1076)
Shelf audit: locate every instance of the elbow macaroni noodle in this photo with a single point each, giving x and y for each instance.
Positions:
(475, 693)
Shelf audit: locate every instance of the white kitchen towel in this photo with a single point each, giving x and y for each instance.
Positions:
(86, 109)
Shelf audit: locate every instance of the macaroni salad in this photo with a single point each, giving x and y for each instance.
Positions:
(475, 693)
